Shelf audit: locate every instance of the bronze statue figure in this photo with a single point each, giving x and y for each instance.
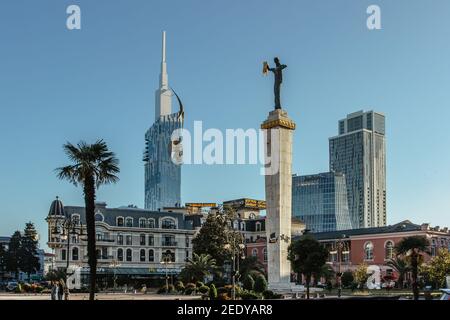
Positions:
(278, 72)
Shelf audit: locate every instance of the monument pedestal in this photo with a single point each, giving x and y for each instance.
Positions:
(278, 185)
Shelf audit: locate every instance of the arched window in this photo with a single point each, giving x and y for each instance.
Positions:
(151, 223)
(142, 240)
(258, 226)
(129, 255)
(120, 254)
(265, 254)
(98, 216)
(75, 254)
(142, 255)
(252, 216)
(120, 222)
(235, 225)
(242, 226)
(255, 252)
(151, 255)
(129, 222)
(168, 223)
(76, 219)
(142, 223)
(368, 251)
(389, 250)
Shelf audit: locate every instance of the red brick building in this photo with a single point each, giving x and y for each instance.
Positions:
(372, 246)
(375, 246)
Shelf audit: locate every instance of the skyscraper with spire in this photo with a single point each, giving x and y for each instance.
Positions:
(162, 175)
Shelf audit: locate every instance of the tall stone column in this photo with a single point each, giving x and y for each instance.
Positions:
(278, 183)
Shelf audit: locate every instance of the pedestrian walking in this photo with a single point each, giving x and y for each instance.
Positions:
(66, 292)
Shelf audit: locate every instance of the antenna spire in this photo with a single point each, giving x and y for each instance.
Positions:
(164, 46)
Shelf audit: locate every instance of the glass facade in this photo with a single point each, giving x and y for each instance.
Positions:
(359, 152)
(320, 201)
(162, 176)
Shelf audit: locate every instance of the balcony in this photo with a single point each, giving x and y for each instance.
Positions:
(169, 244)
(100, 258)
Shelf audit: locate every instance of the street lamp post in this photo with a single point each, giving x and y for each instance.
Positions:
(114, 264)
(340, 246)
(166, 259)
(69, 228)
(236, 248)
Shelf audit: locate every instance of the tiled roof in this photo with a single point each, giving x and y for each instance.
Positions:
(404, 226)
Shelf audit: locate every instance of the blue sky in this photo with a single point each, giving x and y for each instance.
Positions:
(58, 85)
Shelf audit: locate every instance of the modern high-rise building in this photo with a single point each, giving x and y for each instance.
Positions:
(320, 201)
(162, 175)
(359, 151)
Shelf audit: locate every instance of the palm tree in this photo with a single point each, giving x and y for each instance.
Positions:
(92, 165)
(413, 247)
(249, 265)
(401, 266)
(199, 267)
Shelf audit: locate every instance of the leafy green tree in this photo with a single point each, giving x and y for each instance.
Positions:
(439, 268)
(307, 257)
(54, 275)
(260, 284)
(212, 238)
(347, 279)
(361, 275)
(325, 272)
(413, 247)
(29, 260)
(216, 235)
(92, 166)
(13, 254)
(248, 282)
(401, 266)
(197, 268)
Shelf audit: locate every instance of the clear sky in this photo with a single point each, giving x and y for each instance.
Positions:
(58, 85)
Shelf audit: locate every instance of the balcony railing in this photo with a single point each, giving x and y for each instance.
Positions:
(169, 243)
(99, 258)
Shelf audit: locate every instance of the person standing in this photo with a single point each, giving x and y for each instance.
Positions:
(60, 290)
(54, 291)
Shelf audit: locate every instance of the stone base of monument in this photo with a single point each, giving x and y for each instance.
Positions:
(291, 289)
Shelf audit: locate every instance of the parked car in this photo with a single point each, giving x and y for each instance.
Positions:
(445, 294)
(12, 285)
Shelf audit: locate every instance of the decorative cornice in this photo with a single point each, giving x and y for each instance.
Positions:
(285, 123)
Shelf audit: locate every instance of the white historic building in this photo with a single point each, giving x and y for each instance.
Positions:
(130, 242)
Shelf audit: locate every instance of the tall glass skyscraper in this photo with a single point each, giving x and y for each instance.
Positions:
(162, 176)
(359, 151)
(320, 201)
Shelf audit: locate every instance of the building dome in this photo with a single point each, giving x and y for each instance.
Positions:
(56, 209)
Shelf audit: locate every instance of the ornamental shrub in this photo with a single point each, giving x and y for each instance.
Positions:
(260, 284)
(179, 286)
(203, 289)
(249, 295)
(212, 292)
(249, 282)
